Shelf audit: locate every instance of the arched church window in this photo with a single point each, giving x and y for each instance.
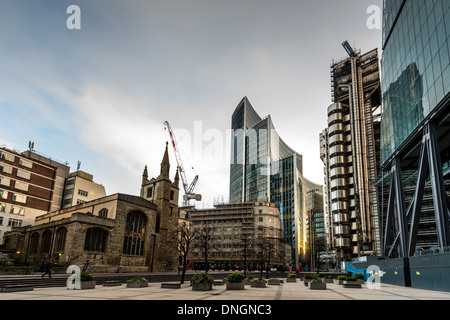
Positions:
(46, 241)
(61, 239)
(95, 240)
(103, 213)
(34, 242)
(133, 243)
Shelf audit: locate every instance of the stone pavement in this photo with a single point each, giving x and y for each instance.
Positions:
(286, 291)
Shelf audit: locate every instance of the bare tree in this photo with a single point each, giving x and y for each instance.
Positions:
(204, 242)
(184, 236)
(268, 251)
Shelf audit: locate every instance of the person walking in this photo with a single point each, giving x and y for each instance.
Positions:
(48, 269)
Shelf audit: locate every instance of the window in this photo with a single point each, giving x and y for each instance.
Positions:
(80, 201)
(103, 213)
(3, 194)
(1, 221)
(171, 194)
(82, 193)
(46, 241)
(19, 198)
(2, 207)
(24, 174)
(6, 156)
(17, 210)
(21, 186)
(133, 243)
(6, 169)
(60, 239)
(95, 240)
(150, 192)
(4, 181)
(14, 223)
(34, 242)
(25, 163)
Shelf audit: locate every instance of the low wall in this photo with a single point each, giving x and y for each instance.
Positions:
(430, 272)
(6, 271)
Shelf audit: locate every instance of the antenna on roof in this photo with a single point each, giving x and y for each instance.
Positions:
(349, 49)
(78, 165)
(31, 145)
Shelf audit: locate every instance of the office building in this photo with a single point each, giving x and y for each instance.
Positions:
(348, 149)
(262, 164)
(80, 188)
(30, 185)
(415, 138)
(238, 234)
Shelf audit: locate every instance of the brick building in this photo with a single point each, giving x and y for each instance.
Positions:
(30, 185)
(114, 232)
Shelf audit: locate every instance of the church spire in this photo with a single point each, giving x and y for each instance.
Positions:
(165, 164)
(176, 181)
(145, 176)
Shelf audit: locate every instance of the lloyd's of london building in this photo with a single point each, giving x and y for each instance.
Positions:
(349, 152)
(262, 164)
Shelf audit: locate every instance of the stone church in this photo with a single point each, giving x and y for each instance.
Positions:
(115, 233)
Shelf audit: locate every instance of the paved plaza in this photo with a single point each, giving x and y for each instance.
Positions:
(286, 291)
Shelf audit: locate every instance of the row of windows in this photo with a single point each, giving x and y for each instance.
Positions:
(11, 222)
(96, 238)
(9, 157)
(15, 197)
(13, 210)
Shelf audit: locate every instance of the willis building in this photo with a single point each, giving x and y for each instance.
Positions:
(263, 165)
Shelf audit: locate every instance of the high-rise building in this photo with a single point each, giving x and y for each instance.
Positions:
(262, 164)
(415, 139)
(348, 151)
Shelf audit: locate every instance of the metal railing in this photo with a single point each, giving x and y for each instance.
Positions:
(432, 250)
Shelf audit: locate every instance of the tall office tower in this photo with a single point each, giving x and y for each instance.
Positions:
(262, 164)
(349, 155)
(415, 139)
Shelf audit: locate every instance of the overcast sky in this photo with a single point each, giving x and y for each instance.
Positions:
(100, 95)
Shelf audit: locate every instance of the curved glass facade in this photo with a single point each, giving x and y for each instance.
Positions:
(262, 164)
(415, 66)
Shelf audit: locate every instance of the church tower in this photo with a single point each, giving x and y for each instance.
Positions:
(164, 193)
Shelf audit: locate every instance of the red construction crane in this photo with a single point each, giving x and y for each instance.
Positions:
(188, 189)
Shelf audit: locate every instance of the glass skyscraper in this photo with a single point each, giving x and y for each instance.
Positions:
(415, 66)
(415, 135)
(262, 164)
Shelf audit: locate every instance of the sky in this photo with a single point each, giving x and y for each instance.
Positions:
(100, 94)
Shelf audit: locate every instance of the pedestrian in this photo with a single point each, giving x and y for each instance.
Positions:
(86, 265)
(48, 269)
